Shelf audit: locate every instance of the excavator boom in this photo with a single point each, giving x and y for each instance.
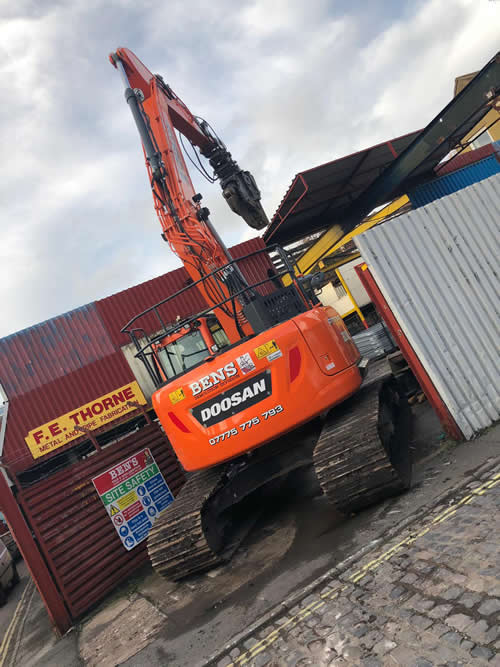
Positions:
(186, 226)
(238, 187)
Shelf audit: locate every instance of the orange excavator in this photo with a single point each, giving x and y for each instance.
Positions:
(263, 382)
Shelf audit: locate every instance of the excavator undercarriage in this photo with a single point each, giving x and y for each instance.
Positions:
(359, 454)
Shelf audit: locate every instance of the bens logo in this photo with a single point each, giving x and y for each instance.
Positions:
(213, 379)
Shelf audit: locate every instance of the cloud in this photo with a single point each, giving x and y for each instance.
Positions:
(287, 85)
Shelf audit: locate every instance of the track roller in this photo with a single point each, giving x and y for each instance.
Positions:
(177, 544)
(363, 455)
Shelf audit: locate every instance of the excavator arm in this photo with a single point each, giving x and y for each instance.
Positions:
(238, 186)
(157, 113)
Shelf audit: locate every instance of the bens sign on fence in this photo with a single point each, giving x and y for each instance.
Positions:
(134, 492)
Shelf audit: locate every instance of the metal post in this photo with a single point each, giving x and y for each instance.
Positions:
(90, 436)
(37, 567)
(142, 408)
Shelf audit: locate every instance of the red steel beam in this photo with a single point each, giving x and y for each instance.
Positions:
(392, 149)
(426, 384)
(39, 571)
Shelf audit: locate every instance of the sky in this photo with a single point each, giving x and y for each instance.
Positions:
(287, 84)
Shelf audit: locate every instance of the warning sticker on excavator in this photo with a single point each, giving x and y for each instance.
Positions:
(177, 395)
(266, 349)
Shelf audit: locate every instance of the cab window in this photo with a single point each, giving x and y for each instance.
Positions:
(183, 354)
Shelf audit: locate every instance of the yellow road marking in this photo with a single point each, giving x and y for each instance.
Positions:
(362, 572)
(10, 630)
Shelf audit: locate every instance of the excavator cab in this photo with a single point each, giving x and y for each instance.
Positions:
(179, 347)
(190, 345)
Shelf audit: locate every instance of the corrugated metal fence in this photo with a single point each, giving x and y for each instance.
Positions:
(462, 178)
(466, 158)
(437, 267)
(74, 530)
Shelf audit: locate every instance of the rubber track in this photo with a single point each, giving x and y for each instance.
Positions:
(351, 463)
(176, 544)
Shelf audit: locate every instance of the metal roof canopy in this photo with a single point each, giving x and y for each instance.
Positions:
(344, 191)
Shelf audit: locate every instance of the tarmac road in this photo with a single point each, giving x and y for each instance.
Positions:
(12, 612)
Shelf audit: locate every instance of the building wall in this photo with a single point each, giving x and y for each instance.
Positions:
(330, 297)
(138, 370)
(491, 117)
(354, 283)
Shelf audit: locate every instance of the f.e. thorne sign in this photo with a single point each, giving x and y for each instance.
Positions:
(60, 431)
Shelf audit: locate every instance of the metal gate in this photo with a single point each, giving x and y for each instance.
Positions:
(73, 529)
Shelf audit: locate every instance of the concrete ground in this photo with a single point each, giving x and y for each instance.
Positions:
(288, 557)
(27, 635)
(429, 595)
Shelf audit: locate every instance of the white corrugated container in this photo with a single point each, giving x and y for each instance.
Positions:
(438, 269)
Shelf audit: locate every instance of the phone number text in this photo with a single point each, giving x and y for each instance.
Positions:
(244, 426)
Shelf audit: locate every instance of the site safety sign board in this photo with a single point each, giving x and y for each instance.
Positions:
(134, 492)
